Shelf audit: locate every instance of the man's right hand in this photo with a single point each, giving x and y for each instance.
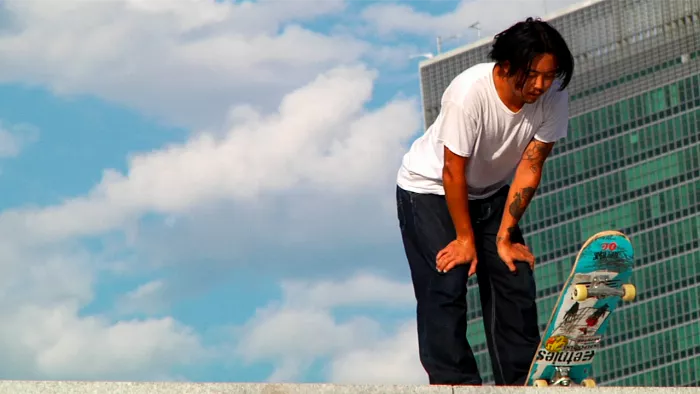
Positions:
(456, 253)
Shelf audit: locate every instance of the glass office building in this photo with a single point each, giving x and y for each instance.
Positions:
(631, 162)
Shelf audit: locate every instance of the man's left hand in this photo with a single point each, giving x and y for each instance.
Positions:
(510, 253)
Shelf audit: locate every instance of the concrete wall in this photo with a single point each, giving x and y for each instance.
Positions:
(22, 387)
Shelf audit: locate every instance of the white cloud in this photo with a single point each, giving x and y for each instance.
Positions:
(15, 137)
(147, 298)
(185, 62)
(361, 290)
(45, 334)
(319, 141)
(303, 328)
(392, 360)
(66, 346)
(225, 66)
(326, 141)
(391, 19)
(298, 337)
(320, 138)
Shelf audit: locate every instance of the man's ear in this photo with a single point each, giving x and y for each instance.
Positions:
(506, 67)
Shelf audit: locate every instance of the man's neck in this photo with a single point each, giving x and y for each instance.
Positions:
(504, 92)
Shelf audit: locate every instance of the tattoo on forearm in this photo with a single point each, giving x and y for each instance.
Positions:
(510, 234)
(536, 154)
(520, 202)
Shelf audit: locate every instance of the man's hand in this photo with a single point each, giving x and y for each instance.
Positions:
(455, 253)
(510, 253)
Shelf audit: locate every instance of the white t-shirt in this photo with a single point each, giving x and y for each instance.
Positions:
(474, 122)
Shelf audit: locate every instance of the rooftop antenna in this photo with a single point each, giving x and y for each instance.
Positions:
(439, 39)
(476, 27)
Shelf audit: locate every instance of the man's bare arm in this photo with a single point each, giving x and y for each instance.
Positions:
(456, 194)
(525, 183)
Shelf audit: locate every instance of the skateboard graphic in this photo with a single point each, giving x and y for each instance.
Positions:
(598, 282)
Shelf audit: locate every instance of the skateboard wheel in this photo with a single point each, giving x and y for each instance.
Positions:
(630, 291)
(541, 383)
(580, 293)
(588, 383)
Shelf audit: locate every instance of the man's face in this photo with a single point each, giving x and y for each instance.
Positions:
(538, 79)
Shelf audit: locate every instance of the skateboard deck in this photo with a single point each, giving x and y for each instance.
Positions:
(598, 282)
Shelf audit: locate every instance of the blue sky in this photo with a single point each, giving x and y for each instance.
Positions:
(199, 191)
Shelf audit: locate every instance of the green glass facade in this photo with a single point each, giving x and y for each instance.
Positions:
(631, 161)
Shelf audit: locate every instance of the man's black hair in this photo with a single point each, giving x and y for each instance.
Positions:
(520, 43)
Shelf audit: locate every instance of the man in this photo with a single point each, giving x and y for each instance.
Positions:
(459, 214)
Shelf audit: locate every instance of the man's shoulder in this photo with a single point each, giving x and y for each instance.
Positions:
(555, 96)
(469, 84)
(476, 76)
(555, 102)
(477, 71)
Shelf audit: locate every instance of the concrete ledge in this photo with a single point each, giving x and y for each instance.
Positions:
(46, 387)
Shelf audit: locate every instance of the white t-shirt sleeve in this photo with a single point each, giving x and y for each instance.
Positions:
(556, 121)
(457, 130)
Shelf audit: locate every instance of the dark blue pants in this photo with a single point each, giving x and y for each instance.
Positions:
(507, 300)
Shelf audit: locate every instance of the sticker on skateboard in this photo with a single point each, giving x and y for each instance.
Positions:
(598, 282)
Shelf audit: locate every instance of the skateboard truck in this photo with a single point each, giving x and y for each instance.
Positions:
(599, 288)
(561, 378)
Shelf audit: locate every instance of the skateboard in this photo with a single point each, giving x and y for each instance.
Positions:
(598, 282)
